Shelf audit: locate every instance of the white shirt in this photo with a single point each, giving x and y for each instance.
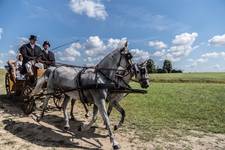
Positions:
(45, 50)
(19, 76)
(32, 45)
(18, 64)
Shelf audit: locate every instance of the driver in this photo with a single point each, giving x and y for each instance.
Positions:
(31, 54)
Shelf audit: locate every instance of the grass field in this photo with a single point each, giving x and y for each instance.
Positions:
(190, 101)
(189, 77)
(2, 81)
(183, 106)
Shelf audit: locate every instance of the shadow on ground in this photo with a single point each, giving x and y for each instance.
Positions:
(47, 133)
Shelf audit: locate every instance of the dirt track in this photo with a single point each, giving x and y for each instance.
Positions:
(18, 131)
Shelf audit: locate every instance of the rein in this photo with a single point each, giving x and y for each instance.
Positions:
(87, 67)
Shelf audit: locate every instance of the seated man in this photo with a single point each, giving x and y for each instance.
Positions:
(16, 67)
(47, 57)
(31, 52)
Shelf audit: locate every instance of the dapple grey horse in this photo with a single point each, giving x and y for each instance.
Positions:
(65, 78)
(139, 71)
(141, 76)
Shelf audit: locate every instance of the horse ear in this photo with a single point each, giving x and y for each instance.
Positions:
(143, 63)
(126, 44)
(124, 49)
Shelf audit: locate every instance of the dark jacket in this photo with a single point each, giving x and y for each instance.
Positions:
(48, 58)
(28, 53)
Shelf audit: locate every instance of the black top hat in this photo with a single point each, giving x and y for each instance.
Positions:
(46, 42)
(33, 37)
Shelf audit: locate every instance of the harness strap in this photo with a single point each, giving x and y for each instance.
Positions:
(83, 98)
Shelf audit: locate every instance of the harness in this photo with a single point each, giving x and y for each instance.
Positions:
(83, 98)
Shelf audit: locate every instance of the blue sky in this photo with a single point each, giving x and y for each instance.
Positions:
(190, 33)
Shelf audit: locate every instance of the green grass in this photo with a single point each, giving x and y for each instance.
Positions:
(183, 106)
(189, 77)
(2, 81)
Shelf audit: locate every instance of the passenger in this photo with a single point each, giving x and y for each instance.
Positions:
(47, 57)
(16, 67)
(31, 52)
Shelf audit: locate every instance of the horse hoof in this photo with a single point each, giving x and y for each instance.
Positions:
(66, 128)
(38, 119)
(115, 127)
(116, 147)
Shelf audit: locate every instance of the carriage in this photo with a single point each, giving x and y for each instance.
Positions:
(20, 90)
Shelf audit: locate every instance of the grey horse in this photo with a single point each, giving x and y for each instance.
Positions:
(66, 78)
(139, 71)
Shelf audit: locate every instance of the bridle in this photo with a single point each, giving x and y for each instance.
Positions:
(128, 68)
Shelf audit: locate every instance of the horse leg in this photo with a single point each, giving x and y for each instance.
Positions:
(66, 116)
(45, 106)
(109, 110)
(110, 107)
(71, 110)
(101, 106)
(123, 115)
(94, 118)
(86, 110)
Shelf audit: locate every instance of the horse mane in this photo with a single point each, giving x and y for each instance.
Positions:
(110, 54)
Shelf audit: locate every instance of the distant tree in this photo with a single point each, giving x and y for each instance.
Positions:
(151, 66)
(176, 71)
(167, 66)
(160, 70)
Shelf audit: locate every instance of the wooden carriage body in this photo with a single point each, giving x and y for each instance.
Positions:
(21, 89)
(15, 88)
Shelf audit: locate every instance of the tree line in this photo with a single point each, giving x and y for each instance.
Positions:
(166, 67)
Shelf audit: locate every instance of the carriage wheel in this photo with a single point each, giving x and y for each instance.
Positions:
(8, 84)
(29, 103)
(58, 100)
(29, 107)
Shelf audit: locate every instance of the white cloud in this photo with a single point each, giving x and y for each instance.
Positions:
(217, 66)
(159, 53)
(115, 43)
(11, 54)
(198, 61)
(140, 55)
(93, 50)
(185, 38)
(157, 44)
(23, 40)
(182, 46)
(217, 40)
(70, 54)
(1, 32)
(213, 55)
(96, 49)
(92, 8)
(94, 46)
(205, 57)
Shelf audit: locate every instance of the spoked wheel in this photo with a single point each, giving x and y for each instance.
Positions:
(58, 100)
(28, 102)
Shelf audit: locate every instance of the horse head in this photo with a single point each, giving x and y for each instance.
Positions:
(141, 74)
